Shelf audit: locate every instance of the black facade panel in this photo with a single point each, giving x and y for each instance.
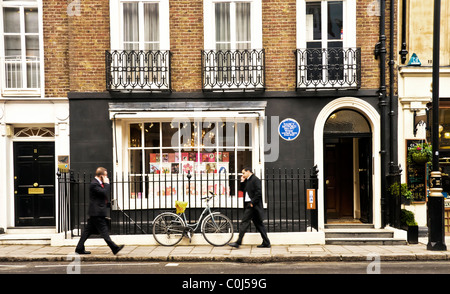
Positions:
(91, 135)
(91, 130)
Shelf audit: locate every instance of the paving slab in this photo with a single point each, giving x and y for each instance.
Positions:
(246, 253)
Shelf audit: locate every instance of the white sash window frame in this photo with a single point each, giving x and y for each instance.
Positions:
(23, 62)
(210, 23)
(117, 24)
(348, 31)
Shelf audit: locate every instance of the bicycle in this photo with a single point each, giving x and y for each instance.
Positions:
(169, 228)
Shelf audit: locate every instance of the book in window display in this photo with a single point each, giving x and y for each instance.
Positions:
(155, 168)
(210, 167)
(154, 157)
(165, 167)
(222, 167)
(175, 168)
(223, 156)
(208, 157)
(187, 167)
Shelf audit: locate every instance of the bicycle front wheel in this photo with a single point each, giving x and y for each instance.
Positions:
(168, 229)
(217, 229)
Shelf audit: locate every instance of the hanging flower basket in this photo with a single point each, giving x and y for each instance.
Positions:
(419, 158)
(420, 153)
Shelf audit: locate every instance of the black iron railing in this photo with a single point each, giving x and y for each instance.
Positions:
(138, 199)
(328, 68)
(233, 70)
(138, 70)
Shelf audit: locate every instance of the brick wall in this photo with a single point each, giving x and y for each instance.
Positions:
(75, 45)
(279, 41)
(186, 43)
(56, 42)
(367, 35)
(89, 37)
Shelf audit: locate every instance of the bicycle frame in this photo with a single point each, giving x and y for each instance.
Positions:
(206, 211)
(210, 223)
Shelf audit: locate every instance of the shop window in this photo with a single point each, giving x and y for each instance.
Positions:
(187, 159)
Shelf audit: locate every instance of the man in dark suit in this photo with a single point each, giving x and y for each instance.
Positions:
(253, 208)
(98, 207)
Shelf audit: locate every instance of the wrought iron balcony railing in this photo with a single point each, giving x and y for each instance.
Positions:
(328, 68)
(230, 70)
(138, 70)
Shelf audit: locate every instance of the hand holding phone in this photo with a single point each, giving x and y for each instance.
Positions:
(105, 179)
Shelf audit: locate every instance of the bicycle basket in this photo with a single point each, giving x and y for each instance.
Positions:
(180, 206)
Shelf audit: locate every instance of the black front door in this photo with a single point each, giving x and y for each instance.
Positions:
(34, 183)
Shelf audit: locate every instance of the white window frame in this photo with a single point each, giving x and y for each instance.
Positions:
(349, 26)
(348, 38)
(121, 142)
(40, 91)
(210, 24)
(116, 19)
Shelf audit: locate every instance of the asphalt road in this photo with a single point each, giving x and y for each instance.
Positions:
(219, 268)
(218, 277)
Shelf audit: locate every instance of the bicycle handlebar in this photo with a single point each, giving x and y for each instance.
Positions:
(209, 197)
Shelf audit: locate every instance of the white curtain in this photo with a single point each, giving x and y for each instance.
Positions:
(151, 26)
(223, 37)
(223, 17)
(131, 26)
(243, 35)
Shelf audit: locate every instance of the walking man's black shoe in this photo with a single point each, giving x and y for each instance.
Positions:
(118, 249)
(82, 252)
(234, 244)
(263, 246)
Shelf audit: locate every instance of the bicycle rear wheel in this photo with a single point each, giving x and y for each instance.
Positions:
(217, 229)
(168, 229)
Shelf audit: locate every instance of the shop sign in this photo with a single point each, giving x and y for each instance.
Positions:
(289, 129)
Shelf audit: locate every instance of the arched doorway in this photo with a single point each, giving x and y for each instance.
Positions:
(373, 118)
(347, 139)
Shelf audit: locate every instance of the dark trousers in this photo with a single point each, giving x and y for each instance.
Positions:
(254, 214)
(96, 225)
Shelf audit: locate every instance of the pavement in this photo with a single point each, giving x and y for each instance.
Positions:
(246, 253)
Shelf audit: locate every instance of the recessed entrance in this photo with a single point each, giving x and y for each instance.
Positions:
(347, 168)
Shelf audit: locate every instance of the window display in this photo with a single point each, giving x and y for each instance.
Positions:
(187, 159)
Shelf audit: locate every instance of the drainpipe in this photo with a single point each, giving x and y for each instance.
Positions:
(393, 110)
(380, 52)
(394, 168)
(403, 52)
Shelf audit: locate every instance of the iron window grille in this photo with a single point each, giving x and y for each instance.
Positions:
(138, 70)
(228, 70)
(328, 68)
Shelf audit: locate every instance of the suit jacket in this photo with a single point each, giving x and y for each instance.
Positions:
(252, 186)
(98, 199)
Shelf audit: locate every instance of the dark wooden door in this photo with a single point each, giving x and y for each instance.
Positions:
(34, 183)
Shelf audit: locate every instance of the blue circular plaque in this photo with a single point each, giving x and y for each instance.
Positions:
(289, 129)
